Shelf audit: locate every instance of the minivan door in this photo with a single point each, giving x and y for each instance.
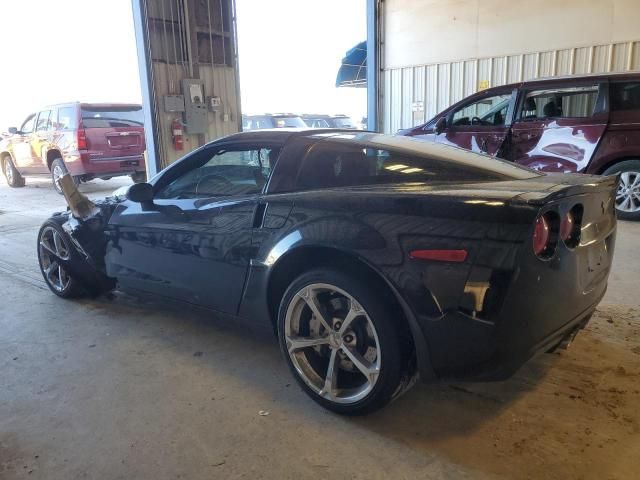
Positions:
(557, 129)
(481, 125)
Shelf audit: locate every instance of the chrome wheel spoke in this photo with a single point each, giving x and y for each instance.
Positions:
(298, 343)
(309, 296)
(57, 241)
(329, 388)
(47, 248)
(355, 310)
(368, 369)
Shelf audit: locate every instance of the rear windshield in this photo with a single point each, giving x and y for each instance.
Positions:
(332, 163)
(110, 117)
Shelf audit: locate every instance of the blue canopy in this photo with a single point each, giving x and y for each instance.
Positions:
(353, 71)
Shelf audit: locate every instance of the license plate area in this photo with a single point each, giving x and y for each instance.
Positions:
(129, 163)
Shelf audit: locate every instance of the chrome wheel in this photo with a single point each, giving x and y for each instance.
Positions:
(8, 171)
(57, 173)
(332, 343)
(628, 194)
(53, 248)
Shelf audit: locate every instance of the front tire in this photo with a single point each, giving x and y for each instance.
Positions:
(340, 342)
(14, 179)
(628, 194)
(55, 253)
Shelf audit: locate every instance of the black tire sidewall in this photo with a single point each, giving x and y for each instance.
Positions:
(388, 335)
(620, 167)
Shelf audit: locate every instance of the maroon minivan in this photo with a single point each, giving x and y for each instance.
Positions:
(586, 124)
(89, 140)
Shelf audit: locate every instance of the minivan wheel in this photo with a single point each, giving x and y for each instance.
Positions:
(628, 193)
(340, 342)
(14, 179)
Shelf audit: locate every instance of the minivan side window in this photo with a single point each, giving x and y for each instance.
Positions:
(488, 111)
(570, 102)
(66, 118)
(625, 96)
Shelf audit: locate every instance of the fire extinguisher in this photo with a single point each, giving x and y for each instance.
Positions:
(176, 133)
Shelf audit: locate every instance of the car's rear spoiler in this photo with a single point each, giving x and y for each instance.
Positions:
(575, 185)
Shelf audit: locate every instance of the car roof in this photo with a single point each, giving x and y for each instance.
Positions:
(634, 75)
(367, 139)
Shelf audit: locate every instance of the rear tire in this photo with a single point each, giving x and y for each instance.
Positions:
(628, 194)
(355, 366)
(59, 169)
(14, 179)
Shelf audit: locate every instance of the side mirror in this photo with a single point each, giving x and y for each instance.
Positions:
(441, 124)
(12, 130)
(141, 193)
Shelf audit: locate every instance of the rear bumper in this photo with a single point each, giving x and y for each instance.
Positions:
(105, 167)
(464, 348)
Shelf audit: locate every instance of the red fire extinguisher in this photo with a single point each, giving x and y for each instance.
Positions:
(176, 133)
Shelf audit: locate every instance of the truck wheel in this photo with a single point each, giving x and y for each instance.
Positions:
(628, 194)
(58, 170)
(340, 342)
(14, 179)
(139, 177)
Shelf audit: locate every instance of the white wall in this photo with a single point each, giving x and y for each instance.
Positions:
(420, 32)
(438, 52)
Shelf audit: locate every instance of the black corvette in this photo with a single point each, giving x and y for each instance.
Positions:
(375, 258)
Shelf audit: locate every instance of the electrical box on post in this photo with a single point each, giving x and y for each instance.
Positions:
(173, 103)
(196, 118)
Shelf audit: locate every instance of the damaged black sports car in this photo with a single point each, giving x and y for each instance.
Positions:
(377, 259)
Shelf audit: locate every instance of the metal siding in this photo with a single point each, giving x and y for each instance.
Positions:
(442, 84)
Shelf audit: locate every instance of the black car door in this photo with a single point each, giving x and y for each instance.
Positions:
(194, 242)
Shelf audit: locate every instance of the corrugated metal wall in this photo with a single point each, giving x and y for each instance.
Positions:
(413, 95)
(192, 39)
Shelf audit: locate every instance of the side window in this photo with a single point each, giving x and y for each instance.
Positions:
(43, 121)
(224, 173)
(488, 111)
(66, 119)
(571, 102)
(27, 126)
(625, 96)
(330, 165)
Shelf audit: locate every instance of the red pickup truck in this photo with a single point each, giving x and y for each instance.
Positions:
(88, 140)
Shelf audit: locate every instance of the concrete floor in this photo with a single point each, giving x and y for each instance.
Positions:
(115, 389)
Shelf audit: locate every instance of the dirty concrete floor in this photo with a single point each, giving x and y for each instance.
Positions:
(119, 389)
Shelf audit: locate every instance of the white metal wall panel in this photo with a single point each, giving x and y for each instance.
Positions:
(413, 95)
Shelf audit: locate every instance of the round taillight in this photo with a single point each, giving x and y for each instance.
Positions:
(541, 235)
(566, 226)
